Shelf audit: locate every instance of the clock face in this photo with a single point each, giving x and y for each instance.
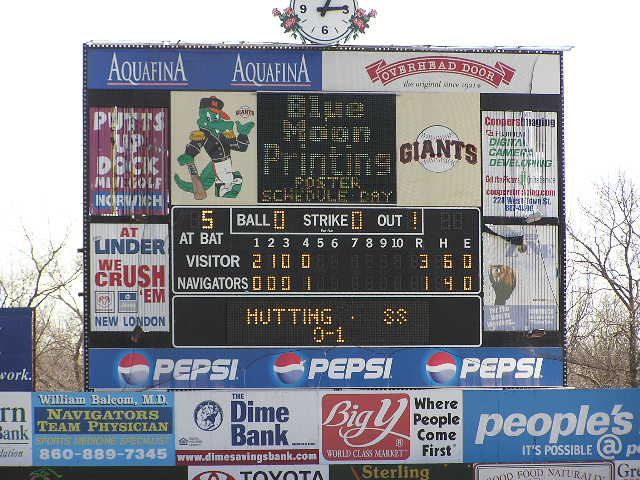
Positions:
(324, 21)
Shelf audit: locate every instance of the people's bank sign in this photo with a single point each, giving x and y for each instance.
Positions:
(554, 425)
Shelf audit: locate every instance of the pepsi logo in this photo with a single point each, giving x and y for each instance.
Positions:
(289, 368)
(214, 475)
(134, 369)
(441, 367)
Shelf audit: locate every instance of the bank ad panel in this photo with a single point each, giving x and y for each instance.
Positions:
(554, 425)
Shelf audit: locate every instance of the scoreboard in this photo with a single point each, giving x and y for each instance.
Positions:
(320, 250)
(420, 258)
(372, 205)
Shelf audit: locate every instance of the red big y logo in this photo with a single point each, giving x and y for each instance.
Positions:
(366, 427)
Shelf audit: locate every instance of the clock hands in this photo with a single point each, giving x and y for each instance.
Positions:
(330, 9)
(326, 8)
(323, 10)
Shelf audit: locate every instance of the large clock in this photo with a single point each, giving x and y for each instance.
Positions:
(324, 21)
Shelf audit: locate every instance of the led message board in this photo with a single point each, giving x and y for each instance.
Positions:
(326, 148)
(326, 321)
(375, 202)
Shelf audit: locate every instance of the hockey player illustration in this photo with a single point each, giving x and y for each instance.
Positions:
(217, 137)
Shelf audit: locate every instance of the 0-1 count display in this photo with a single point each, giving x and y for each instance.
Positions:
(318, 250)
(339, 321)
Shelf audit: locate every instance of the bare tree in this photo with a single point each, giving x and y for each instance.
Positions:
(596, 356)
(45, 280)
(605, 252)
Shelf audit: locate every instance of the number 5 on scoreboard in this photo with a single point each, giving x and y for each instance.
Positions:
(208, 222)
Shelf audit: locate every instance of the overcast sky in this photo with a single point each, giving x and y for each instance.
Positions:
(41, 116)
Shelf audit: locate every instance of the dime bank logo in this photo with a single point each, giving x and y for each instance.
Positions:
(134, 369)
(208, 415)
(289, 368)
(441, 367)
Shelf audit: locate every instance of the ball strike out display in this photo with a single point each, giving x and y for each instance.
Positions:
(340, 250)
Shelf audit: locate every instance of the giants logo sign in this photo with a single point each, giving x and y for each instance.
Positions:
(366, 427)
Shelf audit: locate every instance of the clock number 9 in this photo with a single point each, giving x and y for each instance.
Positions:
(303, 9)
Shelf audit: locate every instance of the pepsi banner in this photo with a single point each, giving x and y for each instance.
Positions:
(203, 69)
(324, 368)
(555, 425)
(103, 429)
(16, 350)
